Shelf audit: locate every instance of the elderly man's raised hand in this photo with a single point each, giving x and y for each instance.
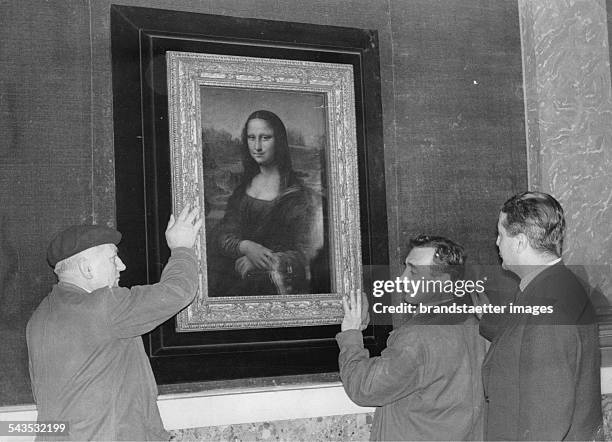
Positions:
(183, 230)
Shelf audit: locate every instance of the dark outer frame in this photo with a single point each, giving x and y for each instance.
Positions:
(139, 39)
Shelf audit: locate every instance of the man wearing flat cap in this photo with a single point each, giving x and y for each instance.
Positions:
(88, 366)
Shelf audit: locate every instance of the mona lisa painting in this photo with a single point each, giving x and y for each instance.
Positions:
(265, 193)
(266, 149)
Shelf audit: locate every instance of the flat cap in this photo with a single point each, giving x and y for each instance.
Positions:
(75, 239)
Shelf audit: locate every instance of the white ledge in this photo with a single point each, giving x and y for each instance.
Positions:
(250, 404)
(238, 406)
(235, 406)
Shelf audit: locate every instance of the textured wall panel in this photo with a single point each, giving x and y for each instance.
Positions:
(45, 160)
(460, 118)
(569, 114)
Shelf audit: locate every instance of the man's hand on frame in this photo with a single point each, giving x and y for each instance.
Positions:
(356, 314)
(183, 230)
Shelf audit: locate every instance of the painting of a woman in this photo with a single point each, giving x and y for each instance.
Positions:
(268, 237)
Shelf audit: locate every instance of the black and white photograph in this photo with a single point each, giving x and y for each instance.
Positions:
(326, 220)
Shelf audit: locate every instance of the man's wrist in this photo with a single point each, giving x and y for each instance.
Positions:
(350, 337)
(350, 327)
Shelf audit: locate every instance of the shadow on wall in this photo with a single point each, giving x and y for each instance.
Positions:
(14, 304)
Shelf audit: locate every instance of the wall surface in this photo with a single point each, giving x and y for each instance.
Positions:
(459, 128)
(569, 121)
(452, 116)
(45, 160)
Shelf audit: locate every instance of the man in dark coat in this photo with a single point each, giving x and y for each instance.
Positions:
(88, 366)
(542, 372)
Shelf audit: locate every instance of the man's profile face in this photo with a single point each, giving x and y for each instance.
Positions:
(418, 266)
(106, 266)
(418, 263)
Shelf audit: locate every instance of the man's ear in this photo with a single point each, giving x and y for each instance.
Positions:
(522, 242)
(85, 268)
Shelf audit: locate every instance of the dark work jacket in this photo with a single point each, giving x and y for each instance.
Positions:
(542, 373)
(87, 361)
(425, 384)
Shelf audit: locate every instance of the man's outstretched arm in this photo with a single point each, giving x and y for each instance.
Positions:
(373, 381)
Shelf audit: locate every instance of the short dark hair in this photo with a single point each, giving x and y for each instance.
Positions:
(539, 217)
(449, 257)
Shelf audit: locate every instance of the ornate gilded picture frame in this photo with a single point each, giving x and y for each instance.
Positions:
(323, 84)
(209, 98)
